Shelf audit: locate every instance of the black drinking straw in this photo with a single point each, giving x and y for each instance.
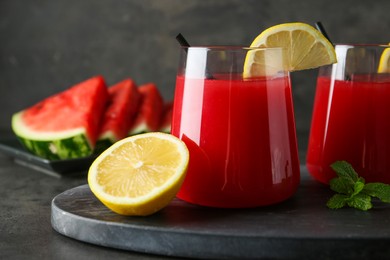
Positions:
(322, 30)
(184, 43)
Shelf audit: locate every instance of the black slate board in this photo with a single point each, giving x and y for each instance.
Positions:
(301, 227)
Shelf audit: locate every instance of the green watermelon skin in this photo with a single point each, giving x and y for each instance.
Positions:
(150, 111)
(123, 103)
(65, 125)
(103, 144)
(68, 148)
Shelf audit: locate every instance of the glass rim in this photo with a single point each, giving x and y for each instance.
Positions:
(230, 47)
(382, 45)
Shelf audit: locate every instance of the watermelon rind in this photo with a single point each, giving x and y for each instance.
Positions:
(140, 129)
(105, 141)
(102, 145)
(57, 145)
(109, 136)
(166, 129)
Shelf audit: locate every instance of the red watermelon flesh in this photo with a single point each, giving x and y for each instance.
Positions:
(82, 105)
(122, 107)
(167, 117)
(150, 111)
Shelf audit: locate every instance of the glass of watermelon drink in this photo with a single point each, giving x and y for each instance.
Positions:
(240, 131)
(351, 115)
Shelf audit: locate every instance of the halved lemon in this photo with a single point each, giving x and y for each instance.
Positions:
(305, 48)
(384, 62)
(139, 175)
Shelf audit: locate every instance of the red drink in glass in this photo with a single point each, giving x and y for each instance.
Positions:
(351, 122)
(241, 137)
(351, 115)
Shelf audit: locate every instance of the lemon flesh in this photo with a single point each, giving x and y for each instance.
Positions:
(304, 46)
(139, 175)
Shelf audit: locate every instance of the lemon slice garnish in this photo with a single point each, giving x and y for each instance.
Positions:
(305, 48)
(384, 62)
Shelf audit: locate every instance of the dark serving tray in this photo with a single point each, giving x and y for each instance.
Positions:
(12, 147)
(301, 227)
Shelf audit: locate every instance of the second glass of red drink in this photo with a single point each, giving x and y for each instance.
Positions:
(239, 129)
(351, 114)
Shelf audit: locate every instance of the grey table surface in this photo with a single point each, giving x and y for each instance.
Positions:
(311, 230)
(25, 212)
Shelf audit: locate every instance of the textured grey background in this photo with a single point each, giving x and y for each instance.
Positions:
(48, 45)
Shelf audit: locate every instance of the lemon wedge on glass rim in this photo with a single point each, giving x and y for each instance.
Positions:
(384, 61)
(139, 175)
(305, 48)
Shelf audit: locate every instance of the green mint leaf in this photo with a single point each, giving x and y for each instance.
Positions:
(357, 188)
(360, 201)
(342, 185)
(344, 170)
(378, 190)
(361, 179)
(353, 190)
(337, 201)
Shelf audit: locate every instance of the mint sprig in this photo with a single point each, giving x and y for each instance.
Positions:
(352, 190)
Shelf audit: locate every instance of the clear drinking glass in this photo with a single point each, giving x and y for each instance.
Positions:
(351, 115)
(240, 131)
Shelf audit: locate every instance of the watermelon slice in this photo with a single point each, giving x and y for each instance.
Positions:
(122, 107)
(149, 115)
(65, 125)
(167, 117)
